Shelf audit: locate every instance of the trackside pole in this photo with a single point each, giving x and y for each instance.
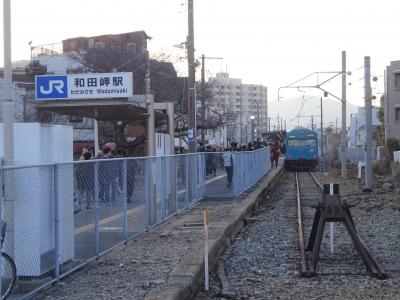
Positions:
(331, 225)
(206, 283)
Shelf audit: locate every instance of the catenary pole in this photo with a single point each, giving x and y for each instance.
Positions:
(322, 139)
(150, 148)
(191, 79)
(8, 108)
(344, 131)
(312, 123)
(368, 121)
(203, 100)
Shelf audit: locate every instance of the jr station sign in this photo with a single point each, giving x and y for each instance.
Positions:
(84, 86)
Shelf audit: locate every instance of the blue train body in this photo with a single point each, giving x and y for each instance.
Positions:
(301, 149)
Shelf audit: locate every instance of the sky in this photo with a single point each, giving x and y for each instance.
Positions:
(262, 42)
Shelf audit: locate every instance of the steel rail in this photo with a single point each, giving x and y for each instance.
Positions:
(301, 231)
(316, 181)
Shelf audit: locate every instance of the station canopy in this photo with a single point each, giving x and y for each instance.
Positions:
(106, 109)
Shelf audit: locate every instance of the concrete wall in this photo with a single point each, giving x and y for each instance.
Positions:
(28, 197)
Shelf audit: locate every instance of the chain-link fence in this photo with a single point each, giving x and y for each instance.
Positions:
(62, 216)
(228, 174)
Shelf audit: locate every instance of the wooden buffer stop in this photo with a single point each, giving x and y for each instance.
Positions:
(332, 209)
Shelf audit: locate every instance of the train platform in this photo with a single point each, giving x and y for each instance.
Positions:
(167, 262)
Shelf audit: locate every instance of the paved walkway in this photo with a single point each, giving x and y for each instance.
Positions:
(166, 262)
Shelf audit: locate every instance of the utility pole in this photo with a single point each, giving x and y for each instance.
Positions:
(344, 128)
(356, 133)
(203, 101)
(322, 140)
(312, 122)
(191, 79)
(150, 111)
(8, 107)
(336, 127)
(269, 123)
(368, 121)
(152, 215)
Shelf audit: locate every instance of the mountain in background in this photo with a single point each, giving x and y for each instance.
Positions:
(289, 109)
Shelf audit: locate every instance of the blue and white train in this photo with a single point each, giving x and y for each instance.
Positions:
(301, 147)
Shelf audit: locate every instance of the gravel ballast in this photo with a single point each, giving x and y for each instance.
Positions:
(263, 263)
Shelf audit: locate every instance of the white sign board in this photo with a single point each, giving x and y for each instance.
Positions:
(396, 156)
(84, 86)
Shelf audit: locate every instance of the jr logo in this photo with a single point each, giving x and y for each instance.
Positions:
(58, 85)
(51, 87)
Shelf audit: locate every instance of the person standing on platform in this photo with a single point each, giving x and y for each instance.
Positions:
(275, 154)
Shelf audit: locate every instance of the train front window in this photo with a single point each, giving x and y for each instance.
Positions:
(301, 143)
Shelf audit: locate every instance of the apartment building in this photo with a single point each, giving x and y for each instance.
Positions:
(133, 42)
(392, 100)
(244, 106)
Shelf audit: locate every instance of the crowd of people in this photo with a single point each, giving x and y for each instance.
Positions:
(109, 178)
(218, 157)
(110, 171)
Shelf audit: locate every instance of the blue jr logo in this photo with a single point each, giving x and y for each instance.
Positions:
(51, 87)
(56, 84)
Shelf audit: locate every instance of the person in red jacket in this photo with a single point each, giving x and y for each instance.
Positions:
(275, 154)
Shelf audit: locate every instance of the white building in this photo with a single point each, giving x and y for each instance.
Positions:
(243, 105)
(357, 124)
(392, 100)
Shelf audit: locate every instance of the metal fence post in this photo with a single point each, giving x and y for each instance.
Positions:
(195, 177)
(125, 196)
(146, 190)
(1, 216)
(187, 180)
(172, 200)
(163, 187)
(177, 164)
(96, 207)
(56, 223)
(235, 168)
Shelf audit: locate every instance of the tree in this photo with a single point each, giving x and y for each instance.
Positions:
(391, 146)
(163, 79)
(381, 115)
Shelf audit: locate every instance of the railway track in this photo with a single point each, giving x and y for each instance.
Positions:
(345, 260)
(264, 262)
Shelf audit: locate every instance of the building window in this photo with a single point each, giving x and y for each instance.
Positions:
(397, 80)
(73, 44)
(131, 48)
(99, 45)
(397, 114)
(91, 43)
